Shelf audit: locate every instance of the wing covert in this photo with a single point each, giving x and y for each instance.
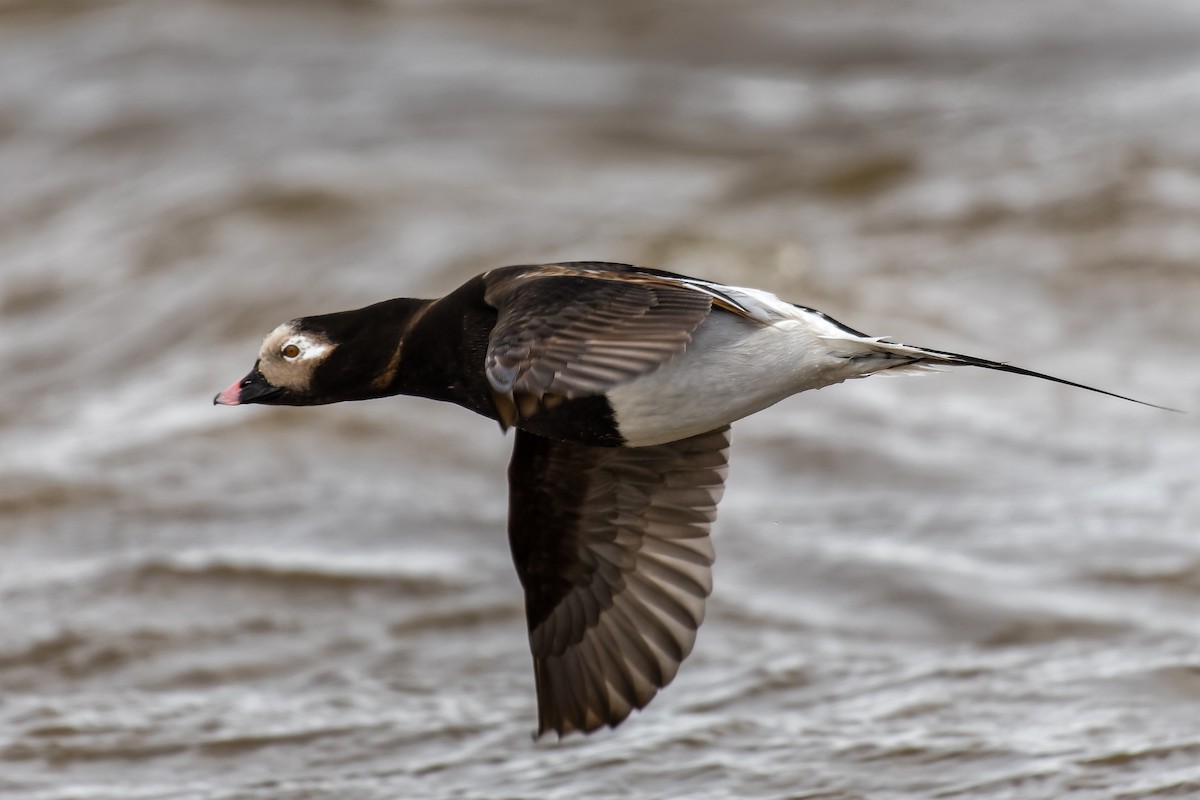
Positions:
(571, 331)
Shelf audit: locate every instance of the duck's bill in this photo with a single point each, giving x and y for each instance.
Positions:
(251, 389)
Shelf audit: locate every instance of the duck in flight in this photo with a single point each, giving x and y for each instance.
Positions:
(621, 383)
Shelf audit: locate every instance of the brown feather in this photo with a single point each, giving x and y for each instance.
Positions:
(573, 331)
(612, 548)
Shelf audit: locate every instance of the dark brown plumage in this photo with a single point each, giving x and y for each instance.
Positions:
(612, 547)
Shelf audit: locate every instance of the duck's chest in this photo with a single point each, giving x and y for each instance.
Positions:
(584, 420)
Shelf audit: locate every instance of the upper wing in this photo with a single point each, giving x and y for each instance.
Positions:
(571, 330)
(611, 545)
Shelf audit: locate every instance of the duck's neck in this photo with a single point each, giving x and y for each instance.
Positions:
(441, 349)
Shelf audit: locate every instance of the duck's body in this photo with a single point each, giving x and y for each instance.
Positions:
(621, 383)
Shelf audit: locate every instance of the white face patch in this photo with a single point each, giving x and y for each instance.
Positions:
(288, 357)
(306, 348)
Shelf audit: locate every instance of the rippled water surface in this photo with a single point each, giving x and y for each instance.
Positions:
(970, 585)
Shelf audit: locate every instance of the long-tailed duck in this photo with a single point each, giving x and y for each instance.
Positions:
(622, 383)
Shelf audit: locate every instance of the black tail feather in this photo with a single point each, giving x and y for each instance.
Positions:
(944, 357)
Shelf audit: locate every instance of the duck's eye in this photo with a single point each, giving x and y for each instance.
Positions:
(290, 351)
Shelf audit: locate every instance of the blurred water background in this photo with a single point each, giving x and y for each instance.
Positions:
(969, 585)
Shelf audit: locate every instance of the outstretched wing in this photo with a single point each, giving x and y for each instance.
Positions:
(571, 330)
(611, 545)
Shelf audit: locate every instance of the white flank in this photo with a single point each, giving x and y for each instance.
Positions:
(736, 366)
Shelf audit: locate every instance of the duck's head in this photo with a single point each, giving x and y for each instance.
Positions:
(329, 358)
(288, 371)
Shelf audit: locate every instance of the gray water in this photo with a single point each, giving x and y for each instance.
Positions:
(967, 585)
